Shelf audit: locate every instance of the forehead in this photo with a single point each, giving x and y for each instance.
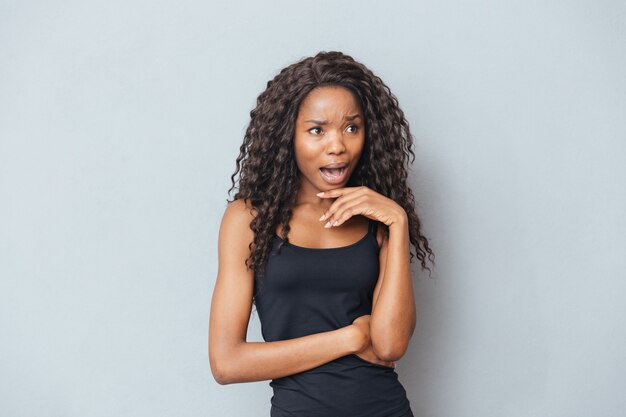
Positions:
(329, 100)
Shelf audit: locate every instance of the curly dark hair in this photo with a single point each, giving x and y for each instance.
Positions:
(269, 177)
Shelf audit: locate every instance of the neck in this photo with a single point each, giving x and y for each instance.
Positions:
(307, 196)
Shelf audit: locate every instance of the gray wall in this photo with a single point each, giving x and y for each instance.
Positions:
(120, 122)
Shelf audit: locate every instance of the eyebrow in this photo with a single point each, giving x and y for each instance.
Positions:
(324, 122)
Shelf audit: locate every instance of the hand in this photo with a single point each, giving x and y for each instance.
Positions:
(351, 201)
(362, 325)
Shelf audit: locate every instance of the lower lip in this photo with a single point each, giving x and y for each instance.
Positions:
(335, 179)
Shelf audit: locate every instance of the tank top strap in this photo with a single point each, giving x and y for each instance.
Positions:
(372, 226)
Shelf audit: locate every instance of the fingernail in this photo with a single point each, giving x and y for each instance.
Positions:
(320, 193)
(323, 216)
(327, 225)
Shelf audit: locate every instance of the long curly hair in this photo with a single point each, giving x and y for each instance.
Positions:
(269, 177)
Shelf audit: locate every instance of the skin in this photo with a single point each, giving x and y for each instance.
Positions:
(345, 211)
(340, 138)
(381, 337)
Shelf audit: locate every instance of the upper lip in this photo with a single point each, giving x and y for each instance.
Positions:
(336, 165)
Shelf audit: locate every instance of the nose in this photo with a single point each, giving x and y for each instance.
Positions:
(335, 142)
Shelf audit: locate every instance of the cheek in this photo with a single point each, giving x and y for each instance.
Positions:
(306, 154)
(358, 145)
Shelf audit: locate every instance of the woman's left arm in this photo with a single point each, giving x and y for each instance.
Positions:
(393, 314)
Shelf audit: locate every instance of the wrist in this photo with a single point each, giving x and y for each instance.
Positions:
(401, 222)
(350, 339)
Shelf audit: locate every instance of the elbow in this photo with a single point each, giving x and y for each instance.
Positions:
(390, 353)
(389, 349)
(220, 375)
(224, 362)
(389, 344)
(220, 370)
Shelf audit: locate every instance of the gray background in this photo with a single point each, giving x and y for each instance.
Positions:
(120, 122)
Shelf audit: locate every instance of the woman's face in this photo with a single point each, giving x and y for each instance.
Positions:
(330, 130)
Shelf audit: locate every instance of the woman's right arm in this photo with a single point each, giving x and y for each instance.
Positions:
(231, 358)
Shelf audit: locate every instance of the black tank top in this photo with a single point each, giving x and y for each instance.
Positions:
(313, 290)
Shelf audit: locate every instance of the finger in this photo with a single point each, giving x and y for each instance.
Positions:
(347, 209)
(340, 202)
(337, 192)
(342, 215)
(343, 202)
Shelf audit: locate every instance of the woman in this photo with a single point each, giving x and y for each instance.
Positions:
(323, 165)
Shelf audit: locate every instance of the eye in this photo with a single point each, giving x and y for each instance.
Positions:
(315, 130)
(352, 128)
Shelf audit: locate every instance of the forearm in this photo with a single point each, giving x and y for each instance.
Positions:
(393, 312)
(259, 361)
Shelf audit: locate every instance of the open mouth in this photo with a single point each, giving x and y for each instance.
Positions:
(334, 175)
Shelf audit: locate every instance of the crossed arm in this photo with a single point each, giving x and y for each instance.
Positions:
(233, 359)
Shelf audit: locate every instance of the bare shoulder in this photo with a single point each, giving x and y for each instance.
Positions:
(235, 229)
(242, 208)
